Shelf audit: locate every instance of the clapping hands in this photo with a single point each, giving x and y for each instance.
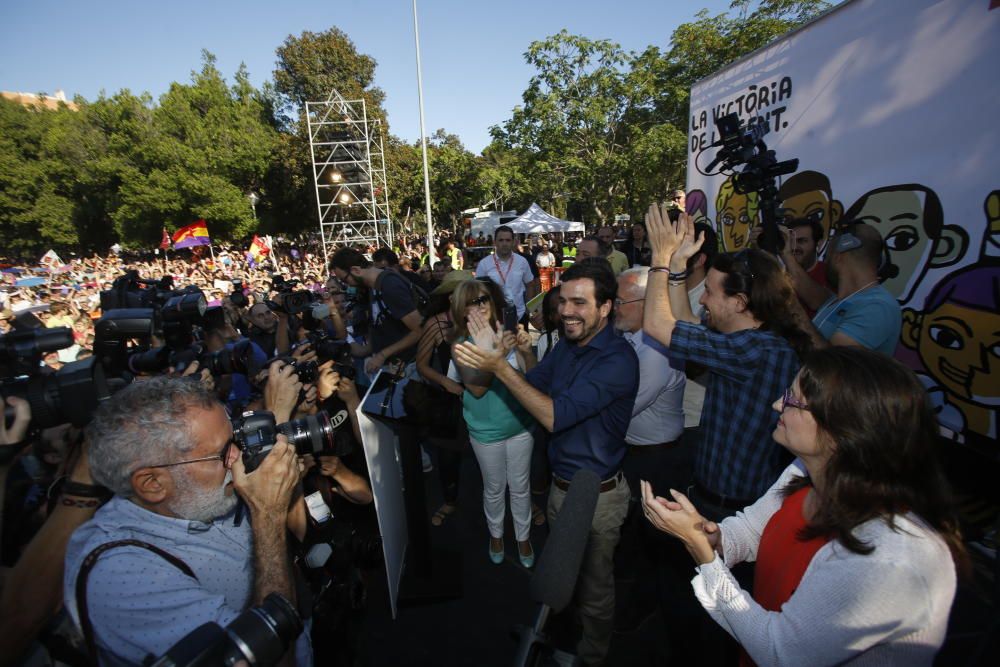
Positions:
(678, 517)
(673, 243)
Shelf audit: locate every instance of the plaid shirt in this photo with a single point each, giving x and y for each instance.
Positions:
(738, 457)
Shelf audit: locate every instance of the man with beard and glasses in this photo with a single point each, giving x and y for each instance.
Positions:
(394, 322)
(164, 447)
(583, 393)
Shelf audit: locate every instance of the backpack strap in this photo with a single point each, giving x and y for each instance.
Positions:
(81, 584)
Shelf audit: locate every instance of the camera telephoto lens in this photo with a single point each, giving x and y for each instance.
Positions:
(312, 434)
(259, 637)
(263, 634)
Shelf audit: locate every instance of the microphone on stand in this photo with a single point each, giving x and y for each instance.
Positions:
(554, 580)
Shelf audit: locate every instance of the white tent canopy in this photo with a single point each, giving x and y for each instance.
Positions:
(537, 221)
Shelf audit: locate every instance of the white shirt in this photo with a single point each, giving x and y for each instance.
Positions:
(545, 259)
(694, 295)
(511, 274)
(658, 414)
(889, 607)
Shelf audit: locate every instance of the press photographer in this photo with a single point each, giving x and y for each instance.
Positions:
(164, 447)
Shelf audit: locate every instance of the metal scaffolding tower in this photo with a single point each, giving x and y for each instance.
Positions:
(348, 159)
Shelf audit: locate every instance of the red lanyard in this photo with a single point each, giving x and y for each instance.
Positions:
(510, 265)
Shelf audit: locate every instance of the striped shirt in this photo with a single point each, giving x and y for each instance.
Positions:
(748, 370)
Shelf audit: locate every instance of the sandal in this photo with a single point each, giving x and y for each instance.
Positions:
(537, 515)
(443, 513)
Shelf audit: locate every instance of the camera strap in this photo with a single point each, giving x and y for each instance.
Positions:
(81, 584)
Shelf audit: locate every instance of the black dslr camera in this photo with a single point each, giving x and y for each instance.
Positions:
(68, 395)
(238, 298)
(260, 636)
(256, 433)
(289, 300)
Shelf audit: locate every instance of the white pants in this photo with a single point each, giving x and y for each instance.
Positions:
(506, 463)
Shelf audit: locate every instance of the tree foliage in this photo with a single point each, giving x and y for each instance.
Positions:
(599, 131)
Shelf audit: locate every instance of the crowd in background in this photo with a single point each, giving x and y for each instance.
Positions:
(720, 398)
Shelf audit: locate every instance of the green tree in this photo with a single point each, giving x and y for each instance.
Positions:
(314, 63)
(606, 130)
(207, 145)
(309, 66)
(37, 206)
(453, 177)
(574, 122)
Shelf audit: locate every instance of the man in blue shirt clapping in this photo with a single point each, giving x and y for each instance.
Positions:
(583, 393)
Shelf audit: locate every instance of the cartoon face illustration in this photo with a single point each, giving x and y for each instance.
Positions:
(910, 220)
(696, 204)
(961, 348)
(735, 216)
(957, 337)
(807, 195)
(991, 238)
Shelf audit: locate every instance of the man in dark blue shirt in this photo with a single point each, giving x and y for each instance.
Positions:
(583, 393)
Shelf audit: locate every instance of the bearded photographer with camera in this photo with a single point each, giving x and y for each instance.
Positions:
(165, 555)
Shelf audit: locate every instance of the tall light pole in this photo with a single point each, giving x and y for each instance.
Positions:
(432, 254)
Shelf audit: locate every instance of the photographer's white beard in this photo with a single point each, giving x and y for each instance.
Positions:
(199, 503)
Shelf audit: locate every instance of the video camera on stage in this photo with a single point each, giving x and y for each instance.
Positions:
(744, 145)
(260, 636)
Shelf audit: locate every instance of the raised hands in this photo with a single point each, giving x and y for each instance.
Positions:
(483, 335)
(327, 380)
(673, 243)
(281, 393)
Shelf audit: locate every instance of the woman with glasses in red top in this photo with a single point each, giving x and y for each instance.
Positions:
(856, 545)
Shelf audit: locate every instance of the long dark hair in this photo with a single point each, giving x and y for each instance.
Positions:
(550, 312)
(883, 436)
(758, 276)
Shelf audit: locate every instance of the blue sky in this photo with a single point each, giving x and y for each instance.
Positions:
(472, 51)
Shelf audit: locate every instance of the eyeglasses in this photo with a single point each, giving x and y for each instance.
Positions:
(619, 302)
(222, 456)
(479, 301)
(789, 399)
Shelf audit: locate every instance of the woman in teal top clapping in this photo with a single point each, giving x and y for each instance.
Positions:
(499, 427)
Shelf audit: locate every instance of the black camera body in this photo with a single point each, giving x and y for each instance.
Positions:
(289, 300)
(256, 432)
(238, 298)
(337, 351)
(67, 395)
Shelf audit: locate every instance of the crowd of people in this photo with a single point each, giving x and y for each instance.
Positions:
(768, 472)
